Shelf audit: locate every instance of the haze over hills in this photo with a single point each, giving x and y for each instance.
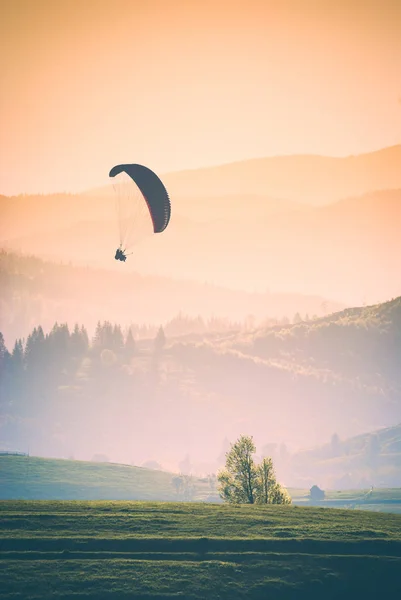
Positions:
(369, 459)
(33, 291)
(339, 374)
(314, 259)
(347, 251)
(308, 179)
(268, 305)
(248, 225)
(356, 344)
(294, 386)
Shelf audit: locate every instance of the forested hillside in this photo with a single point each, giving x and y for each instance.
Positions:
(34, 291)
(137, 396)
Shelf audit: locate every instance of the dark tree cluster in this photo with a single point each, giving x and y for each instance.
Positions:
(37, 365)
(62, 378)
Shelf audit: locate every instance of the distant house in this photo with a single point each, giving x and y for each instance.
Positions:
(316, 494)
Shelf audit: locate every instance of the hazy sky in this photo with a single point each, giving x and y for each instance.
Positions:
(86, 84)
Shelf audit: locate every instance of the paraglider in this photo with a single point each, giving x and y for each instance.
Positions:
(120, 255)
(143, 205)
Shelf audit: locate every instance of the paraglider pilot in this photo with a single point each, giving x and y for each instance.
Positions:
(152, 190)
(120, 254)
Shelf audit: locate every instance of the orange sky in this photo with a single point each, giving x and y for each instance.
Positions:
(177, 84)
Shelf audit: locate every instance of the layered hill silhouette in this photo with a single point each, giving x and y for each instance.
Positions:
(249, 238)
(310, 179)
(347, 250)
(369, 459)
(35, 291)
(290, 385)
(307, 381)
(359, 343)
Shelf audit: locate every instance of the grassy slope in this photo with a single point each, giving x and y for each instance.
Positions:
(350, 457)
(40, 478)
(33, 478)
(388, 440)
(356, 329)
(346, 344)
(378, 500)
(352, 356)
(154, 550)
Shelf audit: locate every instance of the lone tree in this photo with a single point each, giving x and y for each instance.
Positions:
(269, 491)
(244, 482)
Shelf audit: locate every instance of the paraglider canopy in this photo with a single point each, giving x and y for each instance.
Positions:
(153, 191)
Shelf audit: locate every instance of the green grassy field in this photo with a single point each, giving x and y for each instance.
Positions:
(33, 478)
(378, 500)
(194, 550)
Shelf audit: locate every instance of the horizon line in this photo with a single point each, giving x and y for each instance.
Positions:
(215, 166)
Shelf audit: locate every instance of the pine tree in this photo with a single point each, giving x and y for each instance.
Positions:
(16, 373)
(40, 337)
(85, 339)
(107, 336)
(158, 345)
(3, 349)
(160, 340)
(79, 342)
(130, 346)
(58, 348)
(76, 342)
(118, 339)
(34, 350)
(4, 354)
(18, 357)
(97, 338)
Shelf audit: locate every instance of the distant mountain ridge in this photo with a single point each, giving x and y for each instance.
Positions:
(309, 179)
(33, 290)
(369, 459)
(348, 250)
(313, 225)
(306, 381)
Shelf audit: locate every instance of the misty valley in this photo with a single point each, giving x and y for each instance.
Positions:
(220, 412)
(320, 394)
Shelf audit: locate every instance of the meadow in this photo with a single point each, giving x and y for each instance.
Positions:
(76, 549)
(36, 478)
